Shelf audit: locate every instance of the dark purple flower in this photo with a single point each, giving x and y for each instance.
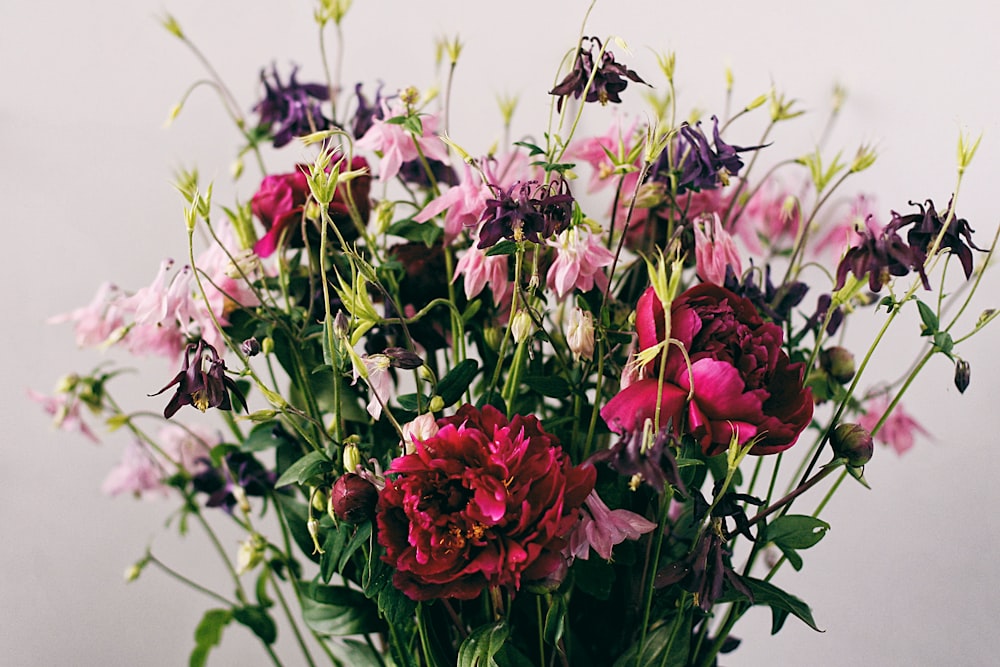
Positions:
(653, 464)
(239, 475)
(774, 303)
(366, 113)
(292, 110)
(526, 210)
(927, 226)
(694, 164)
(880, 254)
(201, 382)
(608, 81)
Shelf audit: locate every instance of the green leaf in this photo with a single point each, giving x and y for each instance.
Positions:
(410, 230)
(361, 537)
(796, 531)
(781, 604)
(656, 643)
(555, 621)
(356, 654)
(479, 647)
(594, 576)
(944, 342)
(409, 401)
(552, 386)
(532, 148)
(502, 248)
(453, 385)
(333, 544)
(311, 464)
(338, 610)
(208, 634)
(258, 620)
(928, 317)
(261, 437)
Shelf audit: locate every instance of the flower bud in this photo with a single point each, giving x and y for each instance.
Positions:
(403, 358)
(313, 526)
(962, 373)
(250, 347)
(341, 325)
(353, 498)
(580, 333)
(853, 443)
(521, 326)
(838, 362)
(351, 457)
(437, 404)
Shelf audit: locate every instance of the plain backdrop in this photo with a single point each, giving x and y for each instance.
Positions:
(906, 576)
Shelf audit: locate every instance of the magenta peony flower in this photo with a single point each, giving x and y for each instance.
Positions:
(482, 503)
(742, 379)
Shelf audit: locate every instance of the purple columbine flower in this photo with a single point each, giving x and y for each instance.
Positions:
(526, 210)
(240, 475)
(927, 226)
(609, 80)
(880, 254)
(201, 382)
(695, 164)
(292, 110)
(366, 114)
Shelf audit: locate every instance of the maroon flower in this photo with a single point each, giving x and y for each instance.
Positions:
(482, 503)
(742, 379)
(281, 199)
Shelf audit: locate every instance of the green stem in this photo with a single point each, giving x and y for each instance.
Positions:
(188, 582)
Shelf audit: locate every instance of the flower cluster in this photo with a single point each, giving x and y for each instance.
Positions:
(470, 417)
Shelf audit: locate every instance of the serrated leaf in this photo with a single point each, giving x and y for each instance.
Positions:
(453, 385)
(259, 621)
(208, 634)
(796, 531)
(311, 464)
(482, 644)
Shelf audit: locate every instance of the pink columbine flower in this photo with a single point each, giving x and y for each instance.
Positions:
(772, 214)
(714, 251)
(601, 528)
(139, 473)
(843, 234)
(462, 205)
(397, 146)
(594, 151)
(478, 271)
(188, 447)
(65, 411)
(376, 372)
(579, 262)
(97, 321)
(898, 431)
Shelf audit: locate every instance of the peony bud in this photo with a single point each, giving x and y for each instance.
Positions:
(838, 362)
(962, 375)
(353, 498)
(853, 443)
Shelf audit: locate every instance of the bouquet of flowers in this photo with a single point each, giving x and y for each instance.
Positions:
(558, 403)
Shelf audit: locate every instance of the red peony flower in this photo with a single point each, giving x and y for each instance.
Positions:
(482, 503)
(743, 380)
(281, 198)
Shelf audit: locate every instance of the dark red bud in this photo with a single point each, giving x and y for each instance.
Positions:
(353, 498)
(963, 374)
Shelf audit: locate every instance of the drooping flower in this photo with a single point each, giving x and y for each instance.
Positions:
(526, 210)
(715, 251)
(291, 110)
(65, 411)
(609, 79)
(899, 430)
(880, 254)
(240, 475)
(482, 503)
(580, 261)
(580, 333)
(601, 528)
(375, 371)
(740, 383)
(694, 164)
(843, 233)
(201, 382)
(95, 323)
(462, 205)
(139, 473)
(478, 270)
(925, 228)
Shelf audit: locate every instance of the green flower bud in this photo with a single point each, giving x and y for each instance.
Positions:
(852, 442)
(838, 362)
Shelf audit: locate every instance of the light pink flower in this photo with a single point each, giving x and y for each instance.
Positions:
(190, 448)
(462, 204)
(376, 368)
(773, 215)
(478, 271)
(65, 412)
(397, 146)
(98, 320)
(843, 234)
(422, 427)
(602, 528)
(715, 250)
(593, 151)
(579, 262)
(580, 332)
(139, 473)
(898, 431)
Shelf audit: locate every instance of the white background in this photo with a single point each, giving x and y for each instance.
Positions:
(907, 575)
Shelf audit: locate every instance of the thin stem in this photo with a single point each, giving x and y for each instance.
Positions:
(188, 582)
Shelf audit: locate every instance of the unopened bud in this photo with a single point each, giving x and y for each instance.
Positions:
(962, 373)
(580, 333)
(313, 526)
(437, 404)
(341, 325)
(267, 346)
(351, 457)
(353, 498)
(522, 326)
(250, 347)
(838, 362)
(852, 442)
(402, 358)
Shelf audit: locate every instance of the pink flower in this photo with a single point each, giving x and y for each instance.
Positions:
(97, 321)
(579, 262)
(227, 288)
(899, 429)
(482, 503)
(421, 428)
(376, 374)
(478, 271)
(396, 145)
(773, 215)
(843, 234)
(740, 381)
(715, 251)
(594, 151)
(462, 205)
(602, 528)
(139, 473)
(188, 447)
(65, 412)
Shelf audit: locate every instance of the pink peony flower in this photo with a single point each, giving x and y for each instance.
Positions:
(899, 429)
(601, 528)
(397, 145)
(482, 503)
(714, 251)
(740, 380)
(579, 262)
